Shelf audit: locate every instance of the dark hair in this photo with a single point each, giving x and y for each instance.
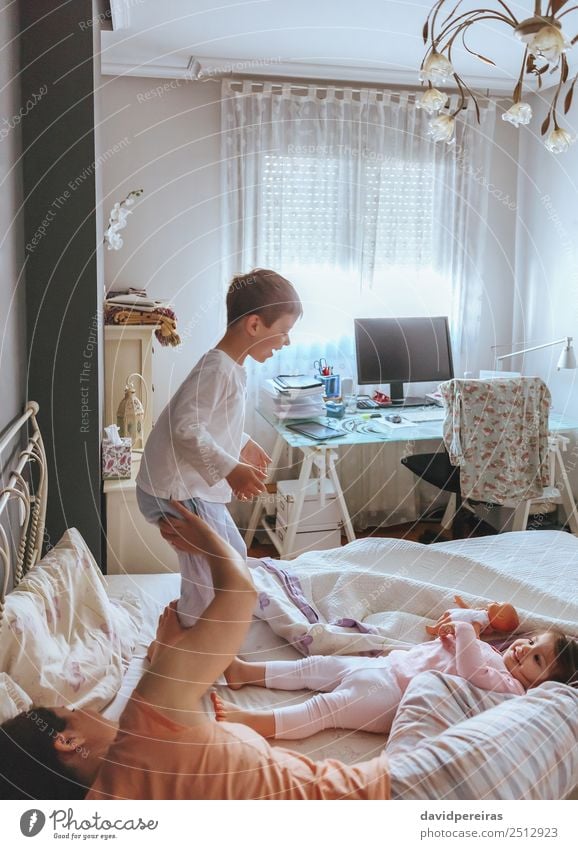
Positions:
(29, 763)
(261, 292)
(566, 653)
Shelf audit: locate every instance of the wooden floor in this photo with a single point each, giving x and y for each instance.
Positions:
(426, 532)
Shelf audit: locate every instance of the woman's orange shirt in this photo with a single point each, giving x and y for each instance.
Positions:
(156, 758)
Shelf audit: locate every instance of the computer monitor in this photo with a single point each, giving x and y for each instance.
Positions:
(403, 350)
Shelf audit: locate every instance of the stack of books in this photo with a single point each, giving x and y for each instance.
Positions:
(296, 396)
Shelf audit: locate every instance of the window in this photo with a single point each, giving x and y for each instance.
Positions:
(355, 240)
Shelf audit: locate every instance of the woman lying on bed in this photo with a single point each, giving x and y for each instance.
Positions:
(165, 746)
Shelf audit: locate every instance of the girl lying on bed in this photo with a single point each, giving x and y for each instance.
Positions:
(364, 693)
(166, 747)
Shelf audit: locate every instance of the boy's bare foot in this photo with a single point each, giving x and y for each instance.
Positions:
(260, 721)
(240, 673)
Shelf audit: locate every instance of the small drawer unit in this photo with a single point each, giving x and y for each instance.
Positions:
(310, 540)
(319, 525)
(315, 516)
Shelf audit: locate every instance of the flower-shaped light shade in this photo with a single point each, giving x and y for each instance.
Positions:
(448, 26)
(442, 128)
(559, 141)
(548, 43)
(437, 68)
(432, 101)
(519, 113)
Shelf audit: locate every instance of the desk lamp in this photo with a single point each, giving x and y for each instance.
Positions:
(567, 357)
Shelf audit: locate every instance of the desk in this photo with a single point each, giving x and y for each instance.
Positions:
(322, 456)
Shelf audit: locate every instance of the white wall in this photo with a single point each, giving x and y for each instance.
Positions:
(166, 134)
(498, 264)
(546, 294)
(170, 146)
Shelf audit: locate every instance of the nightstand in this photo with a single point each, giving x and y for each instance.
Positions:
(134, 546)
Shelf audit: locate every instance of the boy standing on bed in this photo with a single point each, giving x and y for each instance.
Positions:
(198, 453)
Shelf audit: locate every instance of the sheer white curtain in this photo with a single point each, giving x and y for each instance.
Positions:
(342, 192)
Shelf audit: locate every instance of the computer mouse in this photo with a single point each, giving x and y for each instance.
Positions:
(375, 415)
(394, 418)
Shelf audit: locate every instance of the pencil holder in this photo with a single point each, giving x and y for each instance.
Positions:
(331, 385)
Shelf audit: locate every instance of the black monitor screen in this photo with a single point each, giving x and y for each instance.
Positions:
(403, 350)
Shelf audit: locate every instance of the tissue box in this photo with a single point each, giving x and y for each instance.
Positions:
(116, 459)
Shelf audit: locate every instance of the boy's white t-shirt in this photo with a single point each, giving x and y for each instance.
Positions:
(198, 437)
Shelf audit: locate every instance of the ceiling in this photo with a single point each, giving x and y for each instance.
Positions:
(374, 41)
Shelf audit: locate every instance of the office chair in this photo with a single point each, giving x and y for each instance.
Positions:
(498, 451)
(437, 470)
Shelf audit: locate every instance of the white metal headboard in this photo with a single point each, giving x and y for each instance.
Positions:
(30, 490)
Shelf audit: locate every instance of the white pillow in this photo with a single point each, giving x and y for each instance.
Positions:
(449, 742)
(63, 640)
(13, 699)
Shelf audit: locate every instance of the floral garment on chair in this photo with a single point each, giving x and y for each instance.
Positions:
(496, 431)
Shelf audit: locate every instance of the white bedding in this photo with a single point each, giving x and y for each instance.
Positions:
(261, 643)
(377, 594)
(539, 568)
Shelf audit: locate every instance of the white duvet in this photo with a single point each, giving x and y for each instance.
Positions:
(376, 594)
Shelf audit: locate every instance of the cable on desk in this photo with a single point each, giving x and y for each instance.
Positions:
(363, 426)
(350, 425)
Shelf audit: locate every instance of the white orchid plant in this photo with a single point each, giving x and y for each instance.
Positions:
(117, 220)
(545, 51)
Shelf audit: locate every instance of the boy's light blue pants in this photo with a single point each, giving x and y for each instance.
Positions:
(196, 581)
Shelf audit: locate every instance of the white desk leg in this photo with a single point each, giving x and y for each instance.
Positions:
(449, 513)
(521, 516)
(289, 541)
(321, 461)
(567, 496)
(258, 505)
(334, 477)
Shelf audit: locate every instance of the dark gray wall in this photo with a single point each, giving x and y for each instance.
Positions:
(12, 293)
(12, 308)
(62, 285)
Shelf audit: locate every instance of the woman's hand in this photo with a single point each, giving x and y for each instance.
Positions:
(189, 533)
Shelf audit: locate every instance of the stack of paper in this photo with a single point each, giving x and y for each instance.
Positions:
(294, 403)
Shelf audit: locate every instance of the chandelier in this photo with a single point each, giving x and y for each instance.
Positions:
(544, 53)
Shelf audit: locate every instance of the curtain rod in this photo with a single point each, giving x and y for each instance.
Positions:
(239, 82)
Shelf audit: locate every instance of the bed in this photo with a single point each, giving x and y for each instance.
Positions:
(70, 635)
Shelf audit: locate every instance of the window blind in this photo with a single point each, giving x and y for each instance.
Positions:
(306, 204)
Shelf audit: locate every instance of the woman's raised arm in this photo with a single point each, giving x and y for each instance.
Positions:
(187, 665)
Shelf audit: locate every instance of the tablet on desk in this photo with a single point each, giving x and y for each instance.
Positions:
(314, 430)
